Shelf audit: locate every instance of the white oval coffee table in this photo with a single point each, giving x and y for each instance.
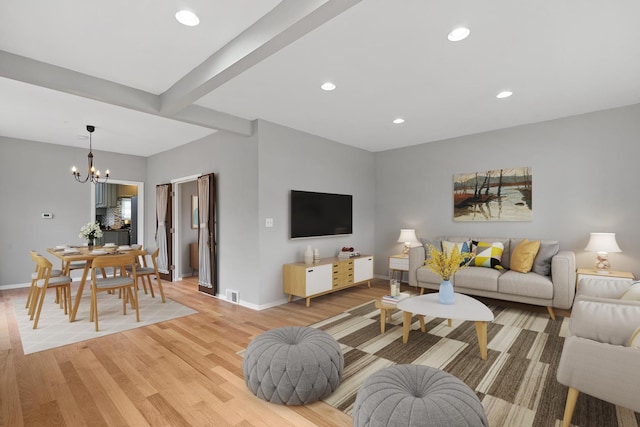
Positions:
(463, 308)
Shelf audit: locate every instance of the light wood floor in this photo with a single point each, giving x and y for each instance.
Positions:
(183, 372)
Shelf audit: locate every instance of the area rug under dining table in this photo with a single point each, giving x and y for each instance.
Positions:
(55, 330)
(516, 384)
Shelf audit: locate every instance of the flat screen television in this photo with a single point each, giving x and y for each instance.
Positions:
(320, 214)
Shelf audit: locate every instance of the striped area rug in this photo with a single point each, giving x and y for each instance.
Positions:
(516, 384)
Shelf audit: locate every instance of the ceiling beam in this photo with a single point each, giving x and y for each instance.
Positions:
(42, 74)
(286, 23)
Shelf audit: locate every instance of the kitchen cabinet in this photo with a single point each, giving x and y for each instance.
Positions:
(106, 195)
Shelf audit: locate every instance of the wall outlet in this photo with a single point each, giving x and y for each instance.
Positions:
(233, 296)
(47, 215)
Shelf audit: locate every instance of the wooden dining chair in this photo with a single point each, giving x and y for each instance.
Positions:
(45, 281)
(34, 279)
(122, 280)
(145, 271)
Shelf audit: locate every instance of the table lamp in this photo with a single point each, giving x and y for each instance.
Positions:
(407, 236)
(602, 243)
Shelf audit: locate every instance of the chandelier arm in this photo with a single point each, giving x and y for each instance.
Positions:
(91, 173)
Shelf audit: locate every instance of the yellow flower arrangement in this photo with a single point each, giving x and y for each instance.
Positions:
(445, 265)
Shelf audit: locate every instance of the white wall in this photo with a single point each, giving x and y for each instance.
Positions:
(35, 178)
(585, 180)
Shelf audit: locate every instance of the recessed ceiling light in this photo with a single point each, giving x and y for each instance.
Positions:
(504, 94)
(458, 34)
(328, 86)
(188, 18)
(398, 121)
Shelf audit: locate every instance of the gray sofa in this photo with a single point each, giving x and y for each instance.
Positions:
(552, 283)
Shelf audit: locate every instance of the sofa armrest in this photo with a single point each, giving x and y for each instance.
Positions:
(563, 276)
(416, 260)
(608, 372)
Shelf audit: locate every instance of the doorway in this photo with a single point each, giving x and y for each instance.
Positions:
(136, 206)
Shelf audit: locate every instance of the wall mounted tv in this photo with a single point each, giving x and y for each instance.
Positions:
(320, 214)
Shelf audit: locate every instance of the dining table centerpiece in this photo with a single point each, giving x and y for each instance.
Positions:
(90, 231)
(446, 265)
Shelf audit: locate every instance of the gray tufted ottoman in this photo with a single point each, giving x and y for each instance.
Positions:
(416, 395)
(293, 365)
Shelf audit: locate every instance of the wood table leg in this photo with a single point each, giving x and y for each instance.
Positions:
(449, 322)
(383, 320)
(406, 325)
(423, 328)
(76, 303)
(481, 332)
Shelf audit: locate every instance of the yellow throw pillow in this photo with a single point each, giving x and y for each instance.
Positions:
(635, 339)
(523, 255)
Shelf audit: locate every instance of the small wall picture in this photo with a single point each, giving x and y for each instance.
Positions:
(493, 195)
(194, 212)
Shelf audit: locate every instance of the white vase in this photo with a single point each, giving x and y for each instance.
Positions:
(308, 255)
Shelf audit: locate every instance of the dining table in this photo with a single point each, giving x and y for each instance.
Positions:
(71, 254)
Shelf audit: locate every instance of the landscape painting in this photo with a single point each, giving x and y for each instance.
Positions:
(493, 195)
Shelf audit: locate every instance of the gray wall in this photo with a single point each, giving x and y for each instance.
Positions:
(234, 160)
(584, 180)
(35, 178)
(255, 176)
(292, 160)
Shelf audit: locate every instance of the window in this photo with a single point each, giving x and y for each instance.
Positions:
(125, 205)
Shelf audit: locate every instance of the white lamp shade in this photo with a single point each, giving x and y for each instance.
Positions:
(603, 242)
(407, 235)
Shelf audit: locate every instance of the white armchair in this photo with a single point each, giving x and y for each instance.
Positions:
(596, 358)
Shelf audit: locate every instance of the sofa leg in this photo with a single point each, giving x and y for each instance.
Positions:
(421, 291)
(572, 397)
(551, 313)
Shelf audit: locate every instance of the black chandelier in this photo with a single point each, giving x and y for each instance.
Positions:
(93, 175)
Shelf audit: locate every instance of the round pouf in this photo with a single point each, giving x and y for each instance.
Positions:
(293, 365)
(415, 395)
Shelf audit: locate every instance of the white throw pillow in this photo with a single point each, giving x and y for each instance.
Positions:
(634, 341)
(633, 293)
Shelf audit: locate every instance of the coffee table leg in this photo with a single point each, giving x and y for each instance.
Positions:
(423, 328)
(406, 325)
(481, 332)
(383, 320)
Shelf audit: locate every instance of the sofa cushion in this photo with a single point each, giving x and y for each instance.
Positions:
(482, 278)
(542, 263)
(487, 254)
(425, 275)
(527, 285)
(523, 255)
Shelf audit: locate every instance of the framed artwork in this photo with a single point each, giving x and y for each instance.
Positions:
(493, 195)
(194, 212)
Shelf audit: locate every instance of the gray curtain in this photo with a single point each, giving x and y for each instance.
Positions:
(204, 240)
(162, 195)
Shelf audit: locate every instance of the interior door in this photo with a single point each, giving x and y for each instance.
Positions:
(207, 239)
(164, 231)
